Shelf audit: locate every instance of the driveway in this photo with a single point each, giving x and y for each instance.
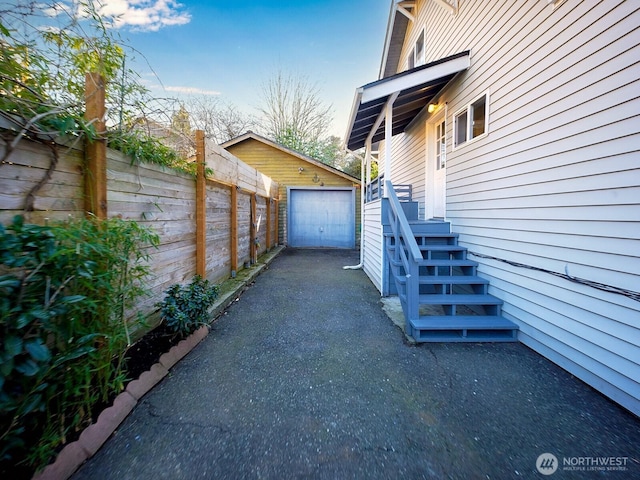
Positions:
(305, 376)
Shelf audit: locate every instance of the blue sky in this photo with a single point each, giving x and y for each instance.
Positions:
(231, 48)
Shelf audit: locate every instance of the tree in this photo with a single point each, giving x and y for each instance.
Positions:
(46, 51)
(181, 122)
(220, 120)
(294, 115)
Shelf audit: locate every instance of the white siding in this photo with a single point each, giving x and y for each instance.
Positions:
(408, 161)
(372, 261)
(555, 185)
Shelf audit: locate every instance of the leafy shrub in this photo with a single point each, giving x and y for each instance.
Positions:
(65, 291)
(186, 308)
(143, 148)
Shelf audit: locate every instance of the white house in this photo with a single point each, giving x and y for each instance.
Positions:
(518, 123)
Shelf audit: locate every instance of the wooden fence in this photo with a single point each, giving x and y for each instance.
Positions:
(211, 225)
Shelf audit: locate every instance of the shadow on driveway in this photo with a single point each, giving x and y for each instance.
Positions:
(305, 376)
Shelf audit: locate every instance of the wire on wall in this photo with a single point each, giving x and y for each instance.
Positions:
(600, 286)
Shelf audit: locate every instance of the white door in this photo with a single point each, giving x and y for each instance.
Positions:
(436, 166)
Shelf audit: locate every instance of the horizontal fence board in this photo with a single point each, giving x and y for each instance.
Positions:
(156, 197)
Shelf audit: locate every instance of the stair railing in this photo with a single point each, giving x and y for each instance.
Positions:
(407, 252)
(374, 190)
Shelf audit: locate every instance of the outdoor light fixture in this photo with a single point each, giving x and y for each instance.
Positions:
(432, 107)
(300, 169)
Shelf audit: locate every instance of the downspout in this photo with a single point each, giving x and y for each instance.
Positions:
(363, 168)
(388, 116)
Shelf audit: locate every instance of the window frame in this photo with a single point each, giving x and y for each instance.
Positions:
(421, 38)
(441, 141)
(412, 59)
(467, 112)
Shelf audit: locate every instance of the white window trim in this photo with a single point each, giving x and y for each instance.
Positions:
(412, 53)
(420, 61)
(467, 108)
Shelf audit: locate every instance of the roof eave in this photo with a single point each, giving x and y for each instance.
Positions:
(415, 87)
(394, 40)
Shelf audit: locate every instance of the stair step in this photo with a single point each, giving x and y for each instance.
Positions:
(447, 263)
(453, 280)
(441, 248)
(436, 248)
(434, 237)
(420, 227)
(449, 280)
(427, 236)
(459, 299)
(468, 328)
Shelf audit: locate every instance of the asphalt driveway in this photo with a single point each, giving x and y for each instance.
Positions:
(305, 376)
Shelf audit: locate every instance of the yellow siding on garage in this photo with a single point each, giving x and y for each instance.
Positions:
(284, 168)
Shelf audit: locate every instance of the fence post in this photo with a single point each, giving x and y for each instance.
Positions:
(234, 229)
(253, 250)
(267, 201)
(95, 177)
(201, 206)
(276, 210)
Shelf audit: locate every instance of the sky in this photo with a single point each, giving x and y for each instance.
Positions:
(230, 49)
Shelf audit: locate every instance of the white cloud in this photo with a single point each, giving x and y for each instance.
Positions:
(192, 90)
(56, 8)
(145, 15)
(150, 15)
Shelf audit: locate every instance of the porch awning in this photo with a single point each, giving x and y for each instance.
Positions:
(415, 87)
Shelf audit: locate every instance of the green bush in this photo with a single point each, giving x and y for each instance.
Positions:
(65, 291)
(186, 308)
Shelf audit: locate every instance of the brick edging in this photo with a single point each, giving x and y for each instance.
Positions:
(95, 435)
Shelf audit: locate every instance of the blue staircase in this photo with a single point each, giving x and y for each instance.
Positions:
(442, 296)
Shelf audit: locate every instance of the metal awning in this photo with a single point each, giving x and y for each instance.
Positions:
(415, 88)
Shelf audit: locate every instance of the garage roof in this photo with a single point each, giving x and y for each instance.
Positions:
(415, 88)
(254, 136)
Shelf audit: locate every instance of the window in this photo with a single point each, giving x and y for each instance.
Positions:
(416, 56)
(441, 146)
(471, 122)
(419, 50)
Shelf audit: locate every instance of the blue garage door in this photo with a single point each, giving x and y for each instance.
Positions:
(321, 218)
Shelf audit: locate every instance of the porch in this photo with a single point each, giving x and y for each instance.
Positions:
(420, 260)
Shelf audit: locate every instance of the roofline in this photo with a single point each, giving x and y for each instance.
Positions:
(386, 86)
(387, 40)
(399, 9)
(352, 115)
(254, 136)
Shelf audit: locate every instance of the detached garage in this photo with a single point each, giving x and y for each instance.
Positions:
(319, 205)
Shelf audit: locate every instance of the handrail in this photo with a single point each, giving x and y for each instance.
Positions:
(406, 251)
(375, 190)
(404, 192)
(405, 230)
